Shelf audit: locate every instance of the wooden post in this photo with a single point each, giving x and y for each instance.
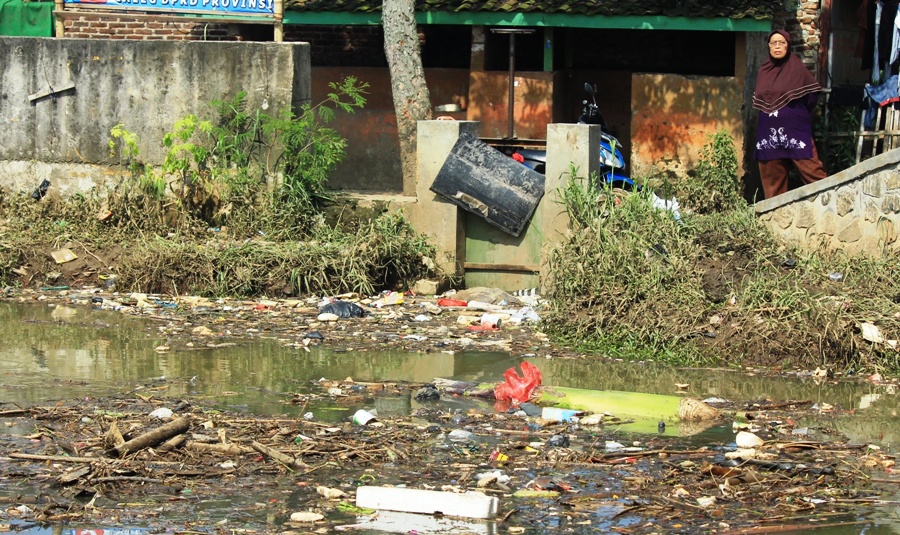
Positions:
(60, 25)
(279, 21)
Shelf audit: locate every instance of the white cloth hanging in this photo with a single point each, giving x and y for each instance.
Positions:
(895, 43)
(876, 65)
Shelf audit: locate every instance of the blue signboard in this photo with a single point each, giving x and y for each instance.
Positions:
(206, 7)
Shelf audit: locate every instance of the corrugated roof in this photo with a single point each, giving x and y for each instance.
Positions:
(732, 9)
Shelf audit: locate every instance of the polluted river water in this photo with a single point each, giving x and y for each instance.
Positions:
(51, 352)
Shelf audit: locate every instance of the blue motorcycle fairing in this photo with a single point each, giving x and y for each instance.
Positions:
(608, 157)
(611, 177)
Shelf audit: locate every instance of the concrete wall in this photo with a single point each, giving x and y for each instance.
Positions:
(146, 85)
(372, 160)
(673, 116)
(856, 210)
(466, 243)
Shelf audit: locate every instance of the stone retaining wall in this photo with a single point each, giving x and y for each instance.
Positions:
(856, 210)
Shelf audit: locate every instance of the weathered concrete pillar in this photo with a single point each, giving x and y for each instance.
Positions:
(568, 145)
(442, 221)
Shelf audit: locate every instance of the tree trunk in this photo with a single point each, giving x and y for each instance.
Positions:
(411, 100)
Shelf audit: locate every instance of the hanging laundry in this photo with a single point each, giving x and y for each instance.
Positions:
(878, 96)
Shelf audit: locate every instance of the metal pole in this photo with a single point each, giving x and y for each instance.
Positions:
(512, 73)
(512, 84)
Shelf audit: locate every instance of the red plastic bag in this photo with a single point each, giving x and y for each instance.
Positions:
(518, 389)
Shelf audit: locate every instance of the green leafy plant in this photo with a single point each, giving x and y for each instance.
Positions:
(713, 185)
(310, 149)
(218, 169)
(837, 133)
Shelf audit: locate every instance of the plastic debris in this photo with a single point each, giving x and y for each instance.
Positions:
(524, 314)
(558, 441)
(41, 191)
(667, 205)
(162, 413)
(307, 517)
(559, 415)
(430, 502)
(363, 417)
(460, 435)
(516, 388)
(871, 333)
(343, 309)
(390, 298)
(428, 392)
(748, 440)
(491, 321)
(61, 256)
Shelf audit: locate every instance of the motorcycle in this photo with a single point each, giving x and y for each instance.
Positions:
(611, 160)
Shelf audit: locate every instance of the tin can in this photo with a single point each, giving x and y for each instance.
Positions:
(491, 321)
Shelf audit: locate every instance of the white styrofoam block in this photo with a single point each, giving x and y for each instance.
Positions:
(468, 505)
(397, 522)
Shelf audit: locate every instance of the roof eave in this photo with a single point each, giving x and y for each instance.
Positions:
(549, 20)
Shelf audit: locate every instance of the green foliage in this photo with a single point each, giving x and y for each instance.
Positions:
(630, 281)
(243, 168)
(309, 150)
(124, 144)
(837, 134)
(617, 267)
(713, 186)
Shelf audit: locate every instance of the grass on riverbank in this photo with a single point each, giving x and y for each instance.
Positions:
(633, 281)
(382, 253)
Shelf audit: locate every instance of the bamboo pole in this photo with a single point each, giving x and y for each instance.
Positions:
(279, 21)
(60, 24)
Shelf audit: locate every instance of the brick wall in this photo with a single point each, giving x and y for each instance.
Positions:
(803, 25)
(95, 26)
(341, 46)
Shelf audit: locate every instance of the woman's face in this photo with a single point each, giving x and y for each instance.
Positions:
(778, 46)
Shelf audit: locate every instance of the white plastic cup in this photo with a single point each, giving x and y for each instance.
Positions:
(362, 417)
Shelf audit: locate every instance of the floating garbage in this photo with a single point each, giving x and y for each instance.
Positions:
(524, 314)
(429, 502)
(363, 417)
(343, 309)
(491, 321)
(559, 415)
(162, 413)
(518, 388)
(460, 435)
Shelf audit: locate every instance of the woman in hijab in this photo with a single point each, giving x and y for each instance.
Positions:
(785, 96)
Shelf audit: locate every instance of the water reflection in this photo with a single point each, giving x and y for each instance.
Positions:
(50, 351)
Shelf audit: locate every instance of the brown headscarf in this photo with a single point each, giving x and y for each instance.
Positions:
(780, 81)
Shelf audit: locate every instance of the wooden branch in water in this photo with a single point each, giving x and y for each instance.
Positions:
(111, 479)
(791, 527)
(172, 443)
(226, 449)
(14, 412)
(286, 460)
(152, 438)
(53, 458)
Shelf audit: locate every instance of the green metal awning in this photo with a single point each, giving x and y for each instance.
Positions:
(547, 20)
